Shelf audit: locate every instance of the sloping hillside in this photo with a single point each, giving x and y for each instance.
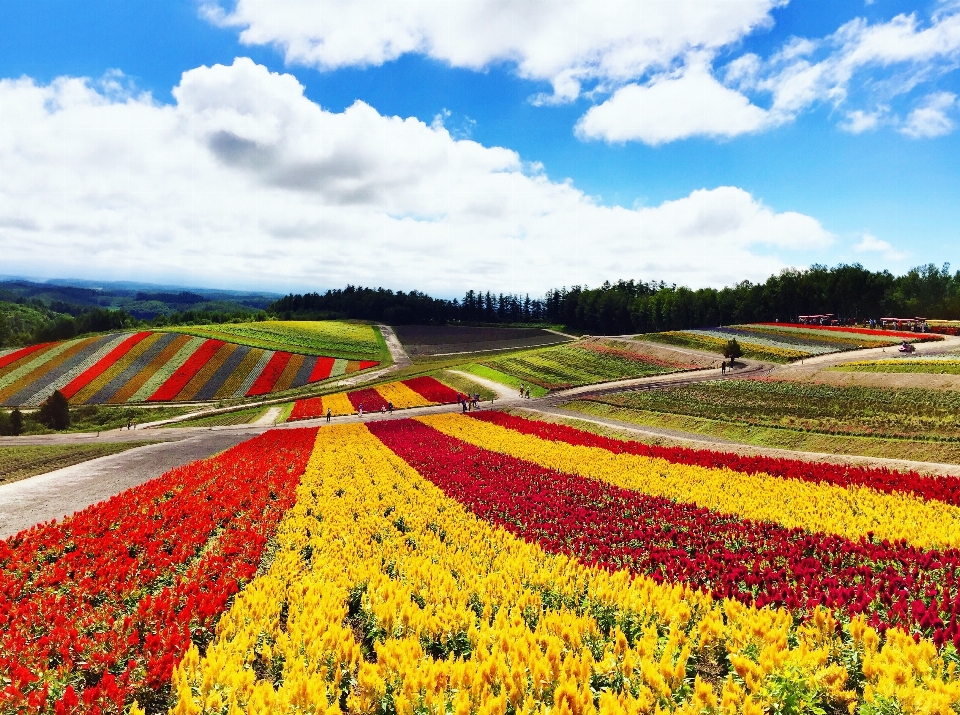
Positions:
(151, 366)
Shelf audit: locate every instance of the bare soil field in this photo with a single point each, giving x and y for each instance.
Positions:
(426, 340)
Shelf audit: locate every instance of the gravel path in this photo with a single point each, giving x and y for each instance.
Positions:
(64, 491)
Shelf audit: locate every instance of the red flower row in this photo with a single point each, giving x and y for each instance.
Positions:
(99, 609)
(945, 489)
(754, 562)
(432, 389)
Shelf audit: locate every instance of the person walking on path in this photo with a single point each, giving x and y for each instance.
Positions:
(360, 410)
(329, 415)
(390, 407)
(723, 367)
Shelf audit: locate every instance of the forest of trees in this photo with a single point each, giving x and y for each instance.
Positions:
(630, 306)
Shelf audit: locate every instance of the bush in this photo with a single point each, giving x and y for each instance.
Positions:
(732, 350)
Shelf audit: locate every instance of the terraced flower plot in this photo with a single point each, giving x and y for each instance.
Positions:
(909, 413)
(415, 392)
(931, 365)
(490, 564)
(353, 341)
(585, 363)
(784, 342)
(157, 367)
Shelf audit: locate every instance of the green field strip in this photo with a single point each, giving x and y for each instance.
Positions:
(503, 378)
(21, 462)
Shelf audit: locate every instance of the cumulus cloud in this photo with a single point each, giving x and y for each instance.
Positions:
(246, 182)
(828, 70)
(564, 42)
(687, 103)
(871, 244)
(931, 118)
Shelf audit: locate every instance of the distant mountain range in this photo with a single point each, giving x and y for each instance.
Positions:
(142, 300)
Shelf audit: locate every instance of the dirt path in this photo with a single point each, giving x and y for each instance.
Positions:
(268, 417)
(399, 355)
(64, 491)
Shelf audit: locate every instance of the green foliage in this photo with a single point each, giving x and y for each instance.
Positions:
(732, 350)
(463, 384)
(55, 412)
(330, 338)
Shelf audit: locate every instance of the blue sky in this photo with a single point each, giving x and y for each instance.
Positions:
(793, 133)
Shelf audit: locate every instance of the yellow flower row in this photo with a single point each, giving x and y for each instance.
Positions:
(385, 596)
(846, 511)
(399, 394)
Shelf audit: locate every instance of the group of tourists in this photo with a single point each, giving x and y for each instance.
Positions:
(524, 392)
(468, 402)
(384, 409)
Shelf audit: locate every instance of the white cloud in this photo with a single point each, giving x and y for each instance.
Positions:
(859, 121)
(676, 106)
(871, 244)
(851, 58)
(246, 182)
(564, 42)
(931, 118)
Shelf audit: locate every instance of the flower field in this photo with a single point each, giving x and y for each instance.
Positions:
(97, 610)
(157, 367)
(869, 412)
(584, 363)
(415, 392)
(312, 337)
(784, 342)
(939, 365)
(486, 563)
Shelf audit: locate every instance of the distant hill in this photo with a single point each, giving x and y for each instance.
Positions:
(143, 301)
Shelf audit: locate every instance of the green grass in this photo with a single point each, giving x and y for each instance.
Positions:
(20, 462)
(99, 418)
(564, 366)
(331, 338)
(920, 450)
(905, 365)
(503, 378)
(908, 413)
(464, 384)
(237, 417)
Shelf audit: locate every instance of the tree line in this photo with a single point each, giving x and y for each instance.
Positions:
(623, 307)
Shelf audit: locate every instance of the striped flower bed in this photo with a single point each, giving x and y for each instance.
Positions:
(156, 367)
(415, 392)
(488, 564)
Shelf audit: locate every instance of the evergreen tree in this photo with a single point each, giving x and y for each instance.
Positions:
(55, 412)
(16, 423)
